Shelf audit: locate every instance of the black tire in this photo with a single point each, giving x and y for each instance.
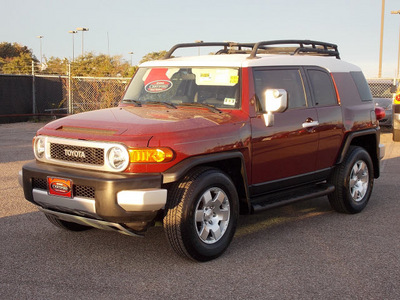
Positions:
(353, 180)
(66, 225)
(208, 236)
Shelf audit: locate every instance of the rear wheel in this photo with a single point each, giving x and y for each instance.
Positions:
(66, 225)
(353, 179)
(201, 214)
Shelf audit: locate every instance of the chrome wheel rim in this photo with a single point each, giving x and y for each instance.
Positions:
(359, 180)
(212, 215)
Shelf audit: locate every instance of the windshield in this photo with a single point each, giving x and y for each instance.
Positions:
(211, 86)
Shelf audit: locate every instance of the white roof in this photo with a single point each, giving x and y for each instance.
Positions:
(332, 64)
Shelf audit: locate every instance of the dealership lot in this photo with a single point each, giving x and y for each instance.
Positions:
(301, 251)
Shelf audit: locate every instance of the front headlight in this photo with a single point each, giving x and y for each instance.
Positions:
(118, 158)
(39, 147)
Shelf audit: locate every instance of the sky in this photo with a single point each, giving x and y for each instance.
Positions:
(119, 27)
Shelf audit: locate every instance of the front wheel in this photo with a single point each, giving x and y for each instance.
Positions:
(353, 180)
(201, 214)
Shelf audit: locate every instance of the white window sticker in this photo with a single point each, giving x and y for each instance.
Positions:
(230, 101)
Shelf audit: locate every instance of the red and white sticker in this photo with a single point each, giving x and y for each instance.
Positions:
(59, 187)
(158, 86)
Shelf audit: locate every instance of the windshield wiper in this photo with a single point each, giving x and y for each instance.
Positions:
(136, 102)
(209, 106)
(167, 104)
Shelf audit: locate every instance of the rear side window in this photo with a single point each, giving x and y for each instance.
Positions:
(287, 79)
(362, 86)
(322, 88)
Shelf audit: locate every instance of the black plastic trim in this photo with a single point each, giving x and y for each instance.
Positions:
(106, 185)
(281, 185)
(176, 172)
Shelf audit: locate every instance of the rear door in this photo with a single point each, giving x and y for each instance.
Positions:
(330, 127)
(287, 150)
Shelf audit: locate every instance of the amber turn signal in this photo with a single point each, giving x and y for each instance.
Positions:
(150, 155)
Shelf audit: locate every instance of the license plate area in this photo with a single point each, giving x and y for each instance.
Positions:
(60, 187)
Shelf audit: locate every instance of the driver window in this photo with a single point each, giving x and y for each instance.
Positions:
(287, 79)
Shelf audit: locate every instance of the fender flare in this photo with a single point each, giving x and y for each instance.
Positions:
(349, 141)
(179, 170)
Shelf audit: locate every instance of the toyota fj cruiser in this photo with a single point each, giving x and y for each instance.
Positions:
(198, 140)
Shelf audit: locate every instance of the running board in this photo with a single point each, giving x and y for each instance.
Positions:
(282, 198)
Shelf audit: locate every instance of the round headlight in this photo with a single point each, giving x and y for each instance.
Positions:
(39, 147)
(118, 158)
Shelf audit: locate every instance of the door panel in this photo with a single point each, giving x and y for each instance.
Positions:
(289, 147)
(285, 149)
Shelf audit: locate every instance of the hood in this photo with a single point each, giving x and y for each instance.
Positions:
(144, 121)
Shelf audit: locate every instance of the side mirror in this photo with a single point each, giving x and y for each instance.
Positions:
(274, 101)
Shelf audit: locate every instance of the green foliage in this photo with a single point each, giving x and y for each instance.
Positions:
(8, 50)
(153, 56)
(17, 59)
(21, 64)
(55, 66)
(100, 66)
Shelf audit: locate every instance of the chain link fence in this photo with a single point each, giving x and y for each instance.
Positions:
(95, 93)
(382, 87)
(80, 94)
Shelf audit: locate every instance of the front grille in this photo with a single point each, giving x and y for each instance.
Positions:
(78, 190)
(77, 154)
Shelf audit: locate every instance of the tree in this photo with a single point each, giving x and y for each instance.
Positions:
(153, 56)
(8, 50)
(15, 58)
(55, 65)
(100, 66)
(18, 65)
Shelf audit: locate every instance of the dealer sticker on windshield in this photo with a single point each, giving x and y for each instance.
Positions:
(158, 86)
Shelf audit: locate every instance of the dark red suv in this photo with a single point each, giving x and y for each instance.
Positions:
(196, 141)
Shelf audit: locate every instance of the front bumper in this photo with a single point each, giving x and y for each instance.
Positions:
(118, 198)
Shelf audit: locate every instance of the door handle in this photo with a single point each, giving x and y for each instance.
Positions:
(310, 123)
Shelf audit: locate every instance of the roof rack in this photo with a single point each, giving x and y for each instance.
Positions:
(302, 47)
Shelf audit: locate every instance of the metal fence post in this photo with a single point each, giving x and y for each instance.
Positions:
(33, 89)
(70, 110)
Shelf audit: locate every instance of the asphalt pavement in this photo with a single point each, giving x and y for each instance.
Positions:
(301, 251)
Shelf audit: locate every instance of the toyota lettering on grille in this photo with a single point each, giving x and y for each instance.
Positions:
(74, 153)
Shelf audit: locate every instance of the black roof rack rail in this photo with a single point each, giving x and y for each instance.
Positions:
(304, 46)
(227, 47)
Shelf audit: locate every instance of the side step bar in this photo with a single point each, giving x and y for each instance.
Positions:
(302, 193)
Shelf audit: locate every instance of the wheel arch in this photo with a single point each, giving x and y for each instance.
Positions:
(232, 163)
(367, 139)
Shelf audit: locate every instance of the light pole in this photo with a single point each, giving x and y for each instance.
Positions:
(73, 43)
(381, 41)
(398, 55)
(82, 29)
(41, 56)
(198, 49)
(131, 53)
